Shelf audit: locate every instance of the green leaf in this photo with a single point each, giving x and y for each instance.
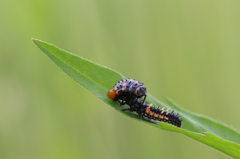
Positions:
(99, 79)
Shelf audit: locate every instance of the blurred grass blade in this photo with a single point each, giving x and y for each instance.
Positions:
(98, 80)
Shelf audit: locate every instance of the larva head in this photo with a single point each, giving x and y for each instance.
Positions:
(141, 91)
(112, 93)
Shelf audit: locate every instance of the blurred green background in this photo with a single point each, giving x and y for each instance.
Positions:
(186, 50)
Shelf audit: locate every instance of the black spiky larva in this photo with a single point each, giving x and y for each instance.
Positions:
(130, 91)
(153, 113)
(127, 89)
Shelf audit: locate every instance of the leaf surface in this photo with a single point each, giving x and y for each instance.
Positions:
(99, 79)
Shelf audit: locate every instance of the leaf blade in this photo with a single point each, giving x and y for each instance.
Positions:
(98, 80)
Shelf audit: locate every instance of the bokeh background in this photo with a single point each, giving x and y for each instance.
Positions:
(186, 50)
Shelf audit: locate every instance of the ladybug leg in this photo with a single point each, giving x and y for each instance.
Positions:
(141, 116)
(121, 102)
(144, 98)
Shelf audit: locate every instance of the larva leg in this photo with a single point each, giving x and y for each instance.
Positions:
(127, 109)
